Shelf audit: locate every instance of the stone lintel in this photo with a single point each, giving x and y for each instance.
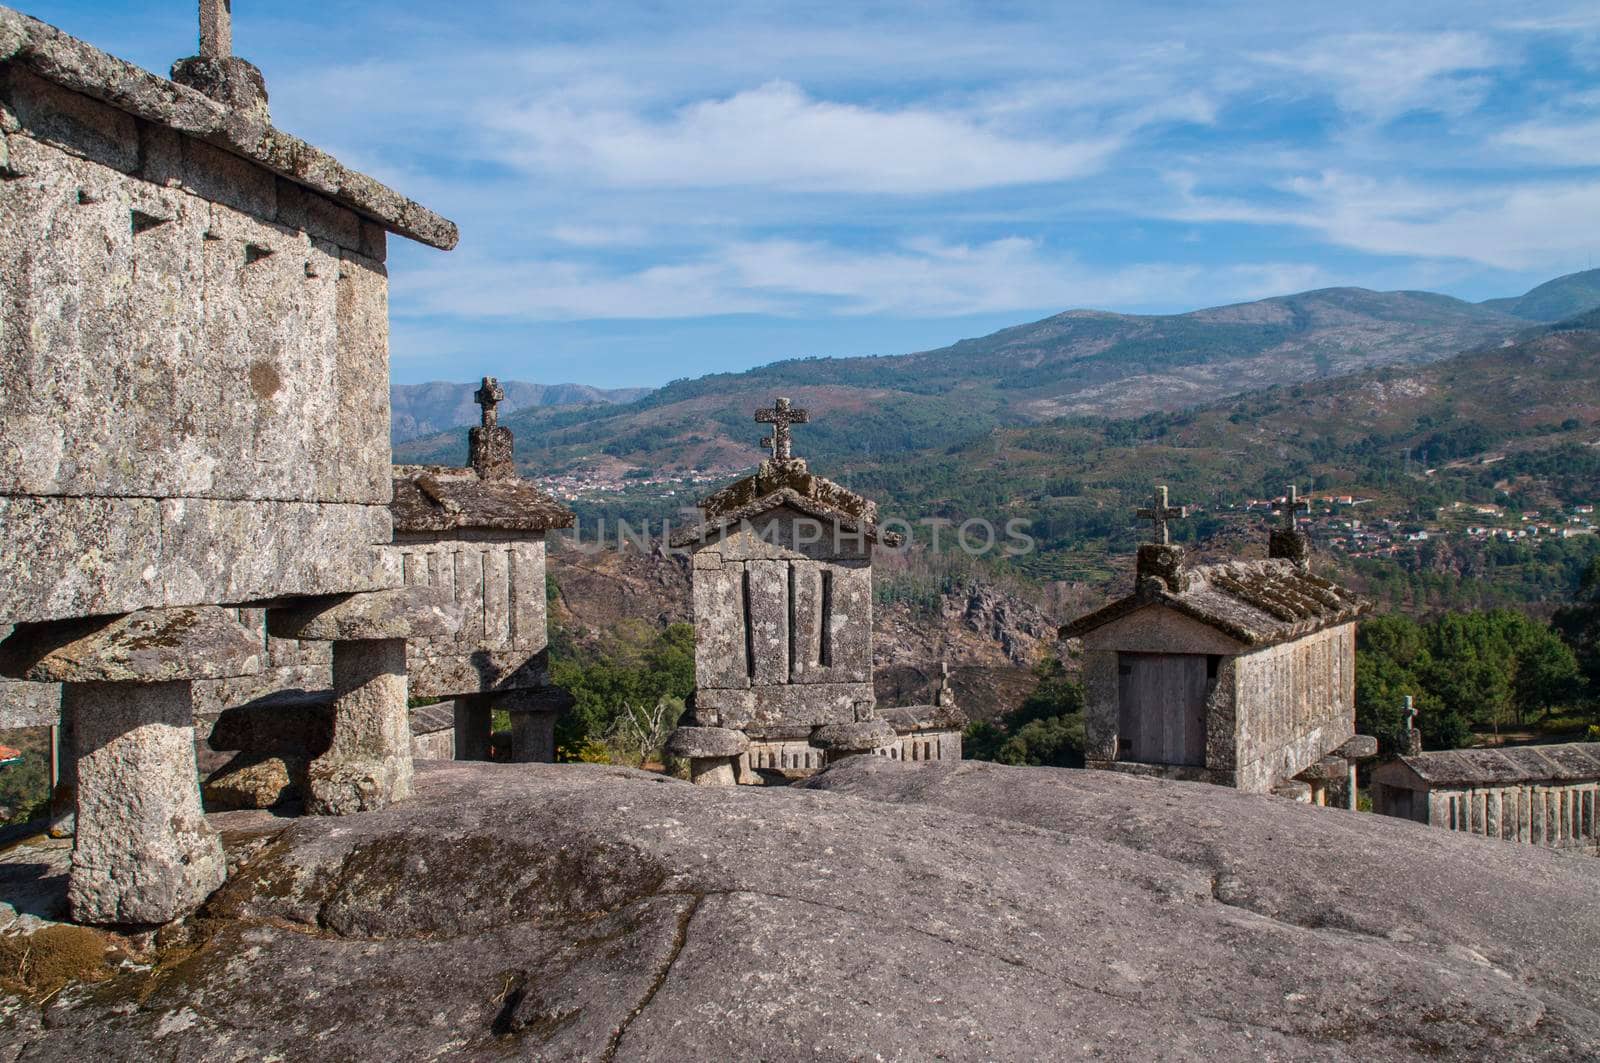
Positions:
(149, 646)
(404, 612)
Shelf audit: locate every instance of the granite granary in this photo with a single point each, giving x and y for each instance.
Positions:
(783, 629)
(1241, 674)
(478, 535)
(195, 418)
(1538, 795)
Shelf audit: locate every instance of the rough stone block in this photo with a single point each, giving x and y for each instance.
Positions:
(217, 551)
(73, 122)
(248, 782)
(719, 625)
(143, 852)
(806, 705)
(769, 621)
(528, 602)
(361, 377)
(29, 704)
(149, 646)
(222, 177)
(707, 742)
(299, 208)
(480, 671)
(389, 614)
(65, 557)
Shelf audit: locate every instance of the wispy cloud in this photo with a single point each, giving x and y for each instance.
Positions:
(777, 135)
(1382, 75)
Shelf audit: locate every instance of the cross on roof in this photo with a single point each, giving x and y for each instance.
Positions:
(1410, 713)
(1292, 506)
(780, 417)
(490, 395)
(1159, 513)
(216, 28)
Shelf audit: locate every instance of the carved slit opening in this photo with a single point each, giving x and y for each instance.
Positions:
(143, 223)
(825, 628)
(254, 253)
(794, 617)
(749, 625)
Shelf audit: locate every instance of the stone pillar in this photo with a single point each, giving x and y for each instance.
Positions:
(474, 726)
(713, 753)
(142, 850)
(368, 763)
(533, 737)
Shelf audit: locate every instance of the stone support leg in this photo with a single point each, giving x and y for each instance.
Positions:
(712, 771)
(533, 737)
(474, 726)
(143, 852)
(1350, 796)
(368, 764)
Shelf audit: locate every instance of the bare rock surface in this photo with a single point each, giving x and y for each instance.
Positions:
(886, 912)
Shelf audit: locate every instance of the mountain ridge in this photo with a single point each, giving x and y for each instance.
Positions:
(1075, 363)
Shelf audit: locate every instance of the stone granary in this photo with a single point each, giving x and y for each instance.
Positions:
(478, 534)
(1241, 674)
(194, 415)
(1540, 795)
(783, 629)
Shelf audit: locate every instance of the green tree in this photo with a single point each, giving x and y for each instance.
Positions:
(1046, 729)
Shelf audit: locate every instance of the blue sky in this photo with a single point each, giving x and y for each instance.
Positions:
(649, 191)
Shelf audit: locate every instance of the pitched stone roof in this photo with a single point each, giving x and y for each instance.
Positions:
(444, 498)
(82, 68)
(1571, 762)
(787, 483)
(429, 719)
(1256, 602)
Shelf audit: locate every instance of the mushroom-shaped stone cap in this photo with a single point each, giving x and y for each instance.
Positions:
(150, 646)
(405, 612)
(862, 736)
(1358, 747)
(699, 742)
(1328, 769)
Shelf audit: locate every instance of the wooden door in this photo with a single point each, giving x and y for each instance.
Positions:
(1161, 715)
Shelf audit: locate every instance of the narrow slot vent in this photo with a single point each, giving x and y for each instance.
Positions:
(825, 628)
(254, 253)
(84, 198)
(749, 625)
(794, 616)
(143, 223)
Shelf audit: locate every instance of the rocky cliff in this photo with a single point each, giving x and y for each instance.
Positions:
(890, 912)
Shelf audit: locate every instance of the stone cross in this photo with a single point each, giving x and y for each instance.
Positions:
(1411, 713)
(216, 28)
(1159, 513)
(780, 417)
(490, 395)
(1293, 505)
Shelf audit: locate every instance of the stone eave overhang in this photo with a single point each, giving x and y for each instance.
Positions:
(1572, 762)
(1255, 625)
(847, 523)
(80, 67)
(441, 499)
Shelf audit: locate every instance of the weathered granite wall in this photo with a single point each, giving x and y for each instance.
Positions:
(499, 582)
(783, 624)
(195, 359)
(1294, 703)
(1556, 815)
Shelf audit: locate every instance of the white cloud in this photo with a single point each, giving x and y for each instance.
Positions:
(1515, 226)
(1567, 143)
(1383, 75)
(778, 136)
(917, 278)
